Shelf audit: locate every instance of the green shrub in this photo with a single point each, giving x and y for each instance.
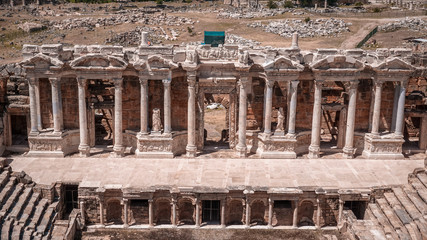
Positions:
(271, 4)
(307, 19)
(159, 2)
(288, 4)
(358, 4)
(377, 10)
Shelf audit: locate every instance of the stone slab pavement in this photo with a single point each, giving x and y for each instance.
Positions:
(218, 173)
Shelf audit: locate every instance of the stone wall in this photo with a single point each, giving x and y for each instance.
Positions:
(131, 104)
(46, 103)
(70, 103)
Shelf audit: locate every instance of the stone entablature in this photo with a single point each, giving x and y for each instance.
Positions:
(230, 69)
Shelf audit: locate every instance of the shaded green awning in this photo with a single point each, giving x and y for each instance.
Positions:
(214, 38)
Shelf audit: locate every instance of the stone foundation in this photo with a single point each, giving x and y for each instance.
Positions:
(383, 146)
(49, 144)
(161, 145)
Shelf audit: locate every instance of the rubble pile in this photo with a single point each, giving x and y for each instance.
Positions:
(126, 16)
(250, 13)
(237, 40)
(315, 28)
(416, 24)
(133, 38)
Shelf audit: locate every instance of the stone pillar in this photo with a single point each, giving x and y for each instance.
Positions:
(101, 212)
(57, 121)
(39, 115)
(191, 131)
(341, 207)
(377, 108)
(167, 106)
(32, 82)
(293, 107)
(118, 125)
(318, 214)
(268, 99)
(348, 150)
(295, 216)
(84, 148)
(248, 214)
(270, 213)
(83, 212)
(150, 213)
(395, 100)
(174, 212)
(144, 106)
(223, 213)
(400, 113)
(125, 207)
(144, 39)
(243, 109)
(314, 148)
(197, 213)
(295, 41)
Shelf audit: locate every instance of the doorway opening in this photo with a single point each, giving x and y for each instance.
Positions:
(104, 127)
(211, 211)
(357, 207)
(71, 199)
(216, 120)
(19, 130)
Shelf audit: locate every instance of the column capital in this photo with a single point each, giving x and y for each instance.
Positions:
(294, 84)
(54, 80)
(191, 79)
(32, 80)
(318, 83)
(243, 81)
(270, 201)
(118, 82)
(166, 82)
(82, 82)
(270, 83)
(143, 80)
(378, 83)
(350, 85)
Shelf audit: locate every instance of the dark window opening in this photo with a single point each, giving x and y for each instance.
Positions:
(19, 130)
(282, 204)
(357, 207)
(211, 211)
(71, 199)
(138, 203)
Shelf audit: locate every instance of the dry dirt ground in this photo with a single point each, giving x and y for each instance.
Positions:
(12, 39)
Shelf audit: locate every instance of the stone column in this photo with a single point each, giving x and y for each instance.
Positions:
(341, 207)
(293, 107)
(377, 108)
(223, 213)
(101, 212)
(39, 115)
(32, 82)
(144, 106)
(295, 41)
(84, 148)
(248, 214)
(82, 212)
(56, 110)
(191, 131)
(314, 148)
(395, 103)
(167, 106)
(173, 212)
(318, 214)
(268, 100)
(125, 207)
(150, 213)
(295, 216)
(400, 113)
(270, 213)
(118, 125)
(348, 150)
(197, 213)
(243, 109)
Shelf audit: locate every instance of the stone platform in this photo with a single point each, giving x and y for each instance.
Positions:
(218, 173)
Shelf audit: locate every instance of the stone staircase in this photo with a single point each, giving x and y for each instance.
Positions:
(400, 213)
(24, 214)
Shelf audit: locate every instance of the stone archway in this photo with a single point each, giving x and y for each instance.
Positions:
(305, 214)
(235, 214)
(114, 212)
(258, 212)
(185, 212)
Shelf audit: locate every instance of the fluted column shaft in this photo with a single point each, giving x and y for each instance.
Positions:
(32, 82)
(377, 108)
(191, 129)
(400, 113)
(318, 214)
(341, 208)
(348, 149)
(56, 109)
(295, 216)
(223, 213)
(270, 213)
(125, 206)
(293, 107)
(174, 212)
(248, 213)
(167, 106)
(84, 148)
(197, 213)
(144, 105)
(268, 99)
(150, 213)
(314, 147)
(118, 126)
(101, 212)
(243, 109)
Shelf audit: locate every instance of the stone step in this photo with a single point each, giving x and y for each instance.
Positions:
(416, 199)
(46, 220)
(4, 178)
(27, 235)
(35, 219)
(420, 188)
(17, 231)
(393, 219)
(6, 229)
(11, 200)
(422, 176)
(29, 208)
(382, 219)
(371, 216)
(6, 191)
(19, 207)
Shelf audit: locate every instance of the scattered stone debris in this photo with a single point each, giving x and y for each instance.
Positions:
(416, 24)
(235, 39)
(318, 27)
(31, 26)
(251, 13)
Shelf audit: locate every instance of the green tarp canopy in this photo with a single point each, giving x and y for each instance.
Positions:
(214, 38)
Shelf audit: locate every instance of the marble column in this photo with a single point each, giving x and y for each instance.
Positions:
(101, 212)
(56, 110)
(191, 119)
(270, 213)
(197, 213)
(39, 115)
(318, 214)
(167, 106)
(126, 214)
(377, 108)
(293, 107)
(243, 109)
(400, 113)
(118, 125)
(150, 213)
(223, 213)
(340, 209)
(248, 214)
(83, 212)
(395, 103)
(32, 82)
(314, 147)
(348, 150)
(268, 100)
(173, 212)
(295, 215)
(144, 106)
(84, 148)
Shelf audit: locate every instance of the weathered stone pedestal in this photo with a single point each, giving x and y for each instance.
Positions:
(157, 145)
(53, 144)
(387, 146)
(277, 146)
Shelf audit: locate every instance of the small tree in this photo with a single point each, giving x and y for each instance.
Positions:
(159, 2)
(288, 4)
(271, 4)
(307, 19)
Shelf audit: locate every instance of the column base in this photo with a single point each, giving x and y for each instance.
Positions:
(387, 146)
(348, 152)
(277, 146)
(313, 152)
(294, 227)
(118, 151)
(191, 151)
(241, 151)
(84, 150)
